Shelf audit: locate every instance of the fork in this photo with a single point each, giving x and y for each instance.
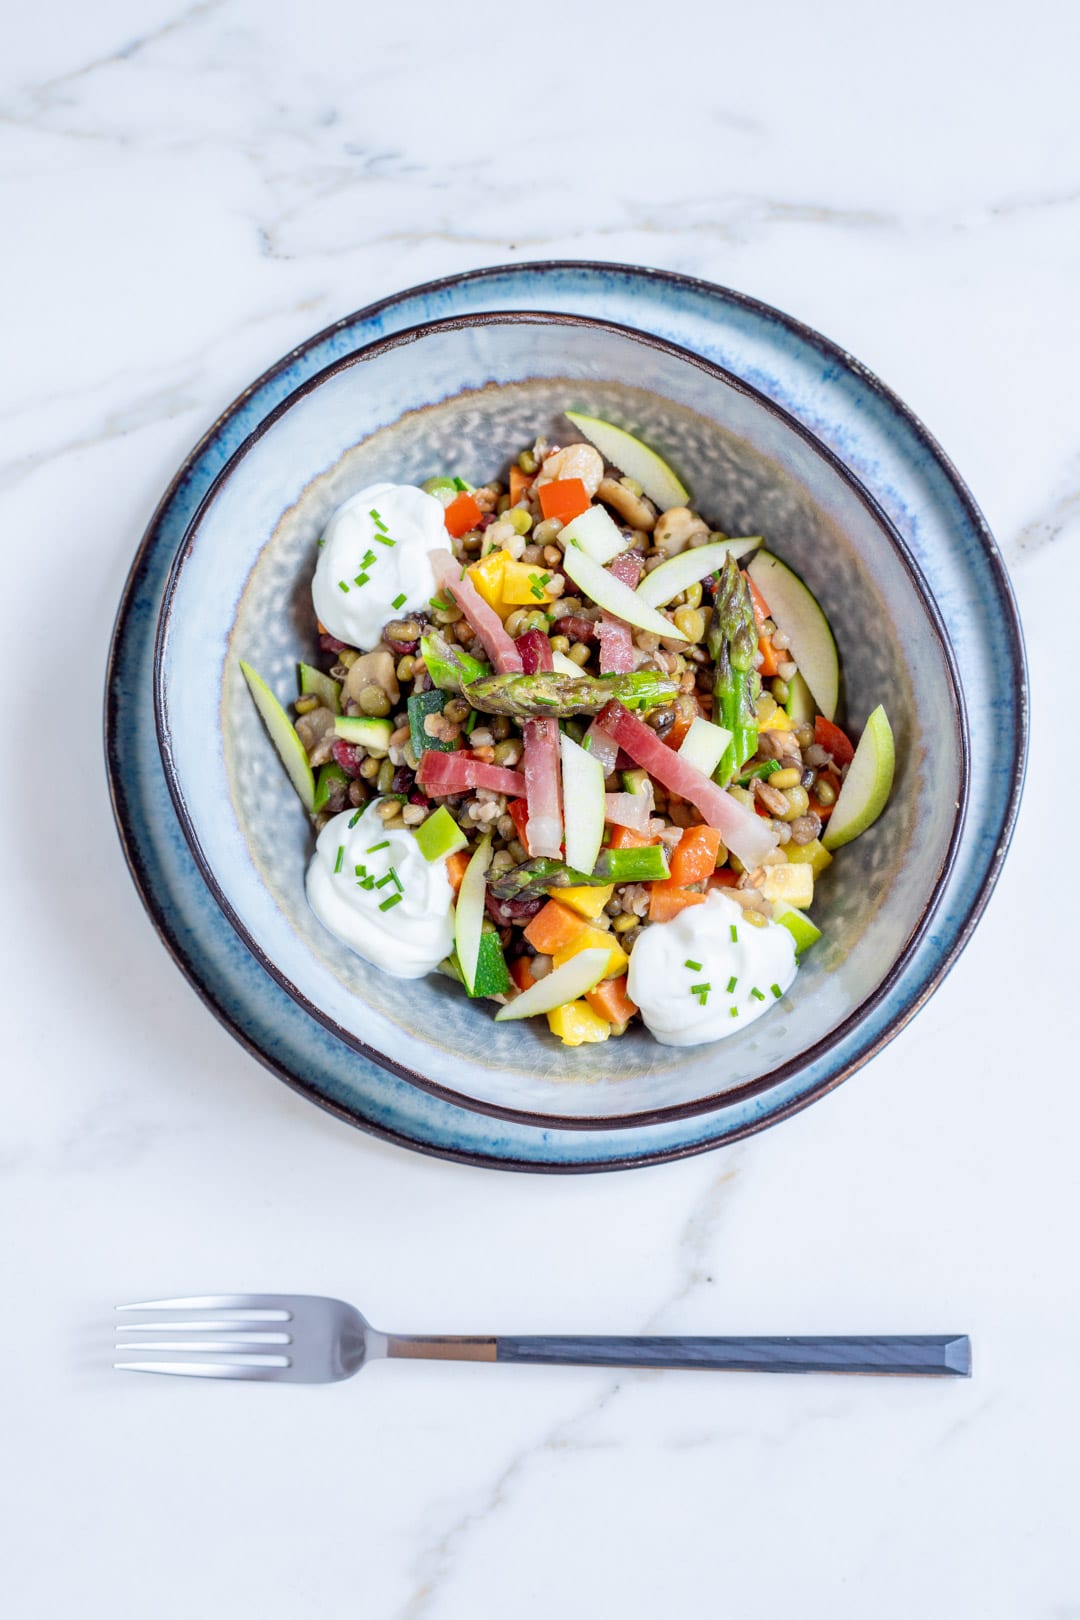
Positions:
(310, 1339)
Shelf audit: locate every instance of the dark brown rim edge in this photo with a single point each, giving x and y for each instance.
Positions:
(646, 1117)
(662, 278)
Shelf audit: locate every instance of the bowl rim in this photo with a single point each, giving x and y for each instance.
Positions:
(642, 1117)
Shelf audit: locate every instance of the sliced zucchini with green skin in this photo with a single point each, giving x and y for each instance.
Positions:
(634, 458)
(329, 777)
(283, 736)
(420, 705)
(440, 836)
(492, 975)
(314, 683)
(365, 731)
(634, 781)
(797, 613)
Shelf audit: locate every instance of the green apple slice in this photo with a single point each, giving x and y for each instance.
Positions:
(634, 459)
(613, 596)
(800, 704)
(315, 684)
(283, 736)
(583, 804)
(562, 984)
(688, 567)
(469, 912)
(704, 745)
(798, 925)
(867, 784)
(440, 836)
(597, 533)
(798, 615)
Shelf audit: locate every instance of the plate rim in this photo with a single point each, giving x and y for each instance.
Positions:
(661, 279)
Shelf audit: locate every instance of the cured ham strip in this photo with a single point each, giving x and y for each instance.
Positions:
(500, 648)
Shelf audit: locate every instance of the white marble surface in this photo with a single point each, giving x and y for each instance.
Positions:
(187, 193)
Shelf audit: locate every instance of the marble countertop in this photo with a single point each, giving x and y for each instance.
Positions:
(187, 193)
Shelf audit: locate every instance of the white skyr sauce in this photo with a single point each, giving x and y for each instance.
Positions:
(361, 580)
(407, 937)
(728, 947)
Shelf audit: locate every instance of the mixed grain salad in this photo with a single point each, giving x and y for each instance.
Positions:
(573, 746)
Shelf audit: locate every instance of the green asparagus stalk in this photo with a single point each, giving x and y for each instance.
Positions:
(732, 643)
(533, 697)
(535, 877)
(450, 667)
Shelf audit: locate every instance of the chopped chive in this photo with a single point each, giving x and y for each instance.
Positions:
(387, 877)
(360, 870)
(384, 845)
(438, 603)
(537, 591)
(776, 990)
(367, 559)
(470, 722)
(353, 819)
(464, 570)
(367, 883)
(341, 585)
(544, 578)
(734, 934)
(732, 982)
(340, 857)
(461, 486)
(695, 967)
(757, 994)
(385, 540)
(733, 1012)
(397, 880)
(399, 601)
(321, 543)
(361, 579)
(384, 905)
(377, 520)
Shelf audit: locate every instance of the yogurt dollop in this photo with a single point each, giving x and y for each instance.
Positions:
(373, 888)
(373, 564)
(686, 975)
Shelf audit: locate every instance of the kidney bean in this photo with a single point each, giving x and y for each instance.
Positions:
(347, 756)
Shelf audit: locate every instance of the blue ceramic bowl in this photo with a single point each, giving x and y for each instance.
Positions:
(464, 395)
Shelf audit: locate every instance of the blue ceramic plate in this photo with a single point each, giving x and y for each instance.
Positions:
(905, 473)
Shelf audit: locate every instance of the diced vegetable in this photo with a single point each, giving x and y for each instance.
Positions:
(492, 976)
(487, 576)
(283, 736)
(519, 484)
(365, 731)
(564, 498)
(770, 658)
(588, 902)
(442, 774)
(666, 900)
(440, 836)
(518, 810)
(315, 684)
(461, 515)
(419, 706)
(555, 989)
(469, 912)
(597, 533)
(590, 939)
(614, 597)
(456, 866)
(626, 838)
(521, 972)
(814, 854)
(704, 745)
(646, 864)
(634, 458)
(688, 567)
(802, 930)
(796, 612)
(330, 776)
(553, 928)
(867, 784)
(575, 1023)
(694, 857)
(745, 834)
(609, 1000)
(525, 584)
(583, 804)
(483, 619)
(770, 716)
(762, 772)
(834, 741)
(792, 883)
(450, 667)
(629, 810)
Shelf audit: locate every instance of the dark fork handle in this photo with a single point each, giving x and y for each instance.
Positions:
(946, 1355)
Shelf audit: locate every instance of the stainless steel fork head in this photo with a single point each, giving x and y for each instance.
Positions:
(277, 1338)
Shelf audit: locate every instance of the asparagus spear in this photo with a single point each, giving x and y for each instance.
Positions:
(532, 697)
(535, 877)
(731, 643)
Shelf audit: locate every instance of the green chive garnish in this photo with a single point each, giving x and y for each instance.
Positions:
(695, 967)
(367, 883)
(353, 819)
(464, 571)
(385, 540)
(341, 585)
(461, 486)
(536, 591)
(732, 982)
(397, 880)
(321, 542)
(360, 871)
(340, 857)
(377, 520)
(734, 934)
(384, 845)
(361, 579)
(776, 990)
(696, 989)
(387, 877)
(367, 559)
(757, 994)
(734, 1012)
(470, 722)
(384, 905)
(399, 601)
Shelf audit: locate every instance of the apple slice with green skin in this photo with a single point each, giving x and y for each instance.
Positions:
(867, 784)
(614, 597)
(800, 705)
(562, 984)
(798, 615)
(469, 912)
(704, 745)
(584, 804)
(798, 925)
(283, 736)
(597, 533)
(633, 458)
(313, 683)
(440, 836)
(688, 567)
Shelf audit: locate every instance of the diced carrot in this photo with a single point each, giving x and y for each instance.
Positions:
(461, 515)
(565, 499)
(521, 972)
(609, 1000)
(519, 483)
(668, 898)
(554, 928)
(519, 812)
(833, 740)
(770, 660)
(626, 838)
(760, 606)
(694, 857)
(724, 878)
(455, 868)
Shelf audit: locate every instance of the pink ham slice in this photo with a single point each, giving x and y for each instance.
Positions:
(543, 784)
(500, 648)
(744, 832)
(616, 637)
(439, 774)
(602, 745)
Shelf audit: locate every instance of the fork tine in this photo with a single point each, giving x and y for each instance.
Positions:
(236, 1329)
(225, 1347)
(277, 1303)
(201, 1369)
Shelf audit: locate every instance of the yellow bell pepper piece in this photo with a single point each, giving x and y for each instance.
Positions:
(596, 939)
(770, 716)
(793, 884)
(585, 900)
(813, 854)
(487, 575)
(576, 1024)
(521, 584)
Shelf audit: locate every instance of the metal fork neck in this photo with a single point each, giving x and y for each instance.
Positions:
(439, 1347)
